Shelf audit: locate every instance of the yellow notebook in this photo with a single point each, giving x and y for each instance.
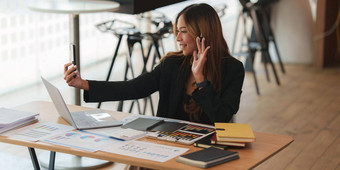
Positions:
(234, 132)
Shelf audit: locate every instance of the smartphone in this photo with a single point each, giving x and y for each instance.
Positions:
(201, 37)
(73, 55)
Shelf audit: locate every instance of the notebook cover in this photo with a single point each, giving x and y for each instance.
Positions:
(208, 157)
(235, 132)
(142, 124)
(206, 143)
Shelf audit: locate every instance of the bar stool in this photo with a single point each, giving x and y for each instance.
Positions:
(220, 9)
(163, 29)
(258, 41)
(133, 36)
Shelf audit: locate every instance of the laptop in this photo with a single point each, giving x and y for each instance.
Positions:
(90, 119)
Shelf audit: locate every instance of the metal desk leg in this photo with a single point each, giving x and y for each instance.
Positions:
(34, 158)
(52, 161)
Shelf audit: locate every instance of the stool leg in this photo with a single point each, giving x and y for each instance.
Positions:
(262, 40)
(34, 158)
(254, 75)
(145, 104)
(155, 42)
(145, 58)
(271, 37)
(161, 45)
(264, 60)
(120, 106)
(114, 57)
(129, 65)
(235, 32)
(112, 63)
(251, 58)
(148, 54)
(273, 67)
(278, 55)
(145, 61)
(151, 105)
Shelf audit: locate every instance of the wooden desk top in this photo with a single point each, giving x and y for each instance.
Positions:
(266, 145)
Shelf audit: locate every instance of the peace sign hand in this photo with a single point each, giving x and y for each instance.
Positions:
(199, 60)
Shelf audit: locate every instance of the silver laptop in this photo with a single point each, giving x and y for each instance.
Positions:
(80, 120)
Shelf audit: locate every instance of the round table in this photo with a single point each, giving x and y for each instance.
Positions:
(73, 8)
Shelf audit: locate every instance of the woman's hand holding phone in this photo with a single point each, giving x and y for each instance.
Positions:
(72, 77)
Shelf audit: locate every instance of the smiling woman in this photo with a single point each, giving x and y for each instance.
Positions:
(202, 82)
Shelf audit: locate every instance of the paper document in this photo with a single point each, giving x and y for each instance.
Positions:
(82, 140)
(128, 134)
(146, 150)
(39, 131)
(118, 132)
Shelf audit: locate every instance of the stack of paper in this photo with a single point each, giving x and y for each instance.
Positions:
(233, 134)
(38, 131)
(10, 119)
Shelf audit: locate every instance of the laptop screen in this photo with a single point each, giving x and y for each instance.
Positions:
(58, 101)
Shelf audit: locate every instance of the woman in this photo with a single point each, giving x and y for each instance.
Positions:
(201, 83)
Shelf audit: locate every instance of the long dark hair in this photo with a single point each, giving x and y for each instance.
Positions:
(203, 19)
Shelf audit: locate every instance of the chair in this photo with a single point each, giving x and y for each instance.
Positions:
(258, 41)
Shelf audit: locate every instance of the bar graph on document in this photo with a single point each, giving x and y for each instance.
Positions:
(40, 131)
(82, 140)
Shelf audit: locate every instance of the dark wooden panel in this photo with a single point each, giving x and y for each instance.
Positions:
(139, 6)
(326, 52)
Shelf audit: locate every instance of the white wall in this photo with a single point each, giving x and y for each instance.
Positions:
(36, 43)
(292, 24)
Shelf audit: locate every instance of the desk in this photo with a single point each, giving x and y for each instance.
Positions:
(73, 8)
(266, 145)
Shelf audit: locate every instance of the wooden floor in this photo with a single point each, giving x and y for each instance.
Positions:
(306, 106)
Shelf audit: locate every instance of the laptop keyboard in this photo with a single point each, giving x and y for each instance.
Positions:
(81, 119)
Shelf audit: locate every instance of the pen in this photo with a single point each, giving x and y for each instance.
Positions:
(111, 137)
(115, 138)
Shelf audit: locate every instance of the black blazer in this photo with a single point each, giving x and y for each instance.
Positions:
(166, 79)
